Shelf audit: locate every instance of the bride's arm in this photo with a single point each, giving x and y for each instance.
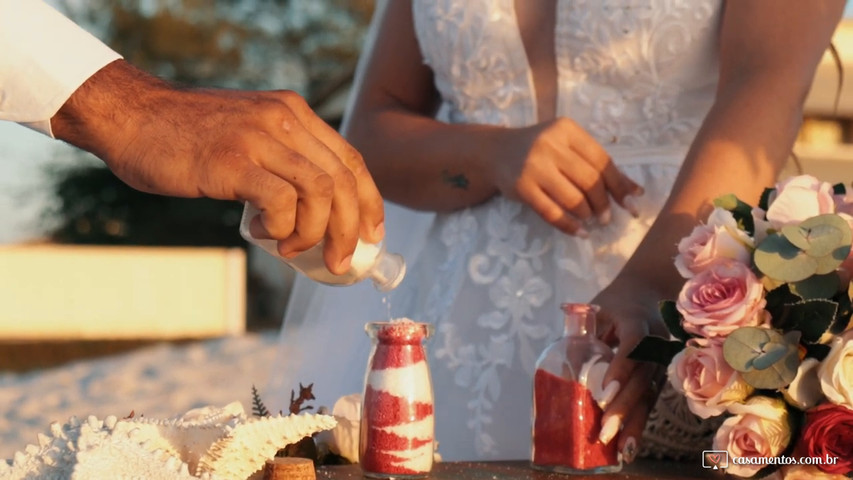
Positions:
(555, 167)
(769, 50)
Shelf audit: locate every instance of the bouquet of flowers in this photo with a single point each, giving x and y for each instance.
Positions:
(761, 331)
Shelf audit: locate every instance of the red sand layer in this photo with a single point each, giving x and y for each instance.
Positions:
(387, 410)
(567, 424)
(397, 356)
(402, 333)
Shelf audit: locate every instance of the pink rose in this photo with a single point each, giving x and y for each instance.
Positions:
(708, 383)
(757, 428)
(722, 299)
(799, 198)
(719, 238)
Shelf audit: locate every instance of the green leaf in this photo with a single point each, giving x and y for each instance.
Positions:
(777, 375)
(741, 211)
(816, 286)
(672, 319)
(656, 349)
(743, 345)
(818, 351)
(811, 317)
(766, 358)
(764, 201)
(770, 354)
(797, 235)
(778, 258)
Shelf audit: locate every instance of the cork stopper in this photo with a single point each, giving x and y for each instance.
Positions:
(289, 468)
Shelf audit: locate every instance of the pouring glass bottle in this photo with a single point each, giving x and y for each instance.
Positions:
(368, 261)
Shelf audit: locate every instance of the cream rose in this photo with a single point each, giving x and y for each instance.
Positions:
(804, 391)
(708, 383)
(836, 371)
(722, 299)
(757, 428)
(719, 238)
(799, 198)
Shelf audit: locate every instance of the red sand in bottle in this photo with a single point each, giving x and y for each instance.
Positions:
(396, 431)
(567, 424)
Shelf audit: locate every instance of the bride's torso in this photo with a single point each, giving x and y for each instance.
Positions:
(640, 76)
(632, 72)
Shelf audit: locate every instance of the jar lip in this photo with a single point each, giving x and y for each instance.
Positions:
(399, 331)
(580, 308)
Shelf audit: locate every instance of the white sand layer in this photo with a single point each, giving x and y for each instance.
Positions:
(159, 381)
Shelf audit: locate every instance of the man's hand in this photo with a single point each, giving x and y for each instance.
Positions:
(267, 148)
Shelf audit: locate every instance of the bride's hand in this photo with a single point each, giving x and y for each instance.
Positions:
(628, 313)
(563, 173)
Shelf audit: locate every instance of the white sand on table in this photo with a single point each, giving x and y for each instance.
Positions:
(157, 381)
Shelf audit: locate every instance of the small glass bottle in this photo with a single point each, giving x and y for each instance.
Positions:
(566, 418)
(397, 431)
(368, 261)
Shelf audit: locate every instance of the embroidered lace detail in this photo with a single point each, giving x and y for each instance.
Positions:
(615, 59)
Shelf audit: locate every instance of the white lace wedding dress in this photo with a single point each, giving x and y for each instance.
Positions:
(639, 75)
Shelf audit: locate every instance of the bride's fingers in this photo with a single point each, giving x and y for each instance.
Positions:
(619, 185)
(644, 389)
(624, 417)
(553, 213)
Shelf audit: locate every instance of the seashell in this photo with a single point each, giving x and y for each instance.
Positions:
(245, 450)
(209, 443)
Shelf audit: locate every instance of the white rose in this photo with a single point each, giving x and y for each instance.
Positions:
(836, 371)
(804, 391)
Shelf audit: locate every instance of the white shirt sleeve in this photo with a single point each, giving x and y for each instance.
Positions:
(44, 58)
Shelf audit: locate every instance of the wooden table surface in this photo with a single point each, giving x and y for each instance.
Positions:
(520, 470)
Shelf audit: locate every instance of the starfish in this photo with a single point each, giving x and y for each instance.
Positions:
(209, 443)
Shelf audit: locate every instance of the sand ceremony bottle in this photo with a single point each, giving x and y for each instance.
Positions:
(566, 417)
(397, 432)
(368, 261)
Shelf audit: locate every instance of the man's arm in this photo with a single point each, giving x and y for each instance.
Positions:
(45, 58)
(267, 148)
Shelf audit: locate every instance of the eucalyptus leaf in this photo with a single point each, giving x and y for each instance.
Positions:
(797, 235)
(779, 259)
(743, 345)
(777, 375)
(830, 263)
(770, 354)
(827, 234)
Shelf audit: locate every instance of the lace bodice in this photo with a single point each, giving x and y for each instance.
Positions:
(633, 72)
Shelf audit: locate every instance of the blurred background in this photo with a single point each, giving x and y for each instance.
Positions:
(85, 258)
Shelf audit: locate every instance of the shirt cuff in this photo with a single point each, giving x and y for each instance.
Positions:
(46, 57)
